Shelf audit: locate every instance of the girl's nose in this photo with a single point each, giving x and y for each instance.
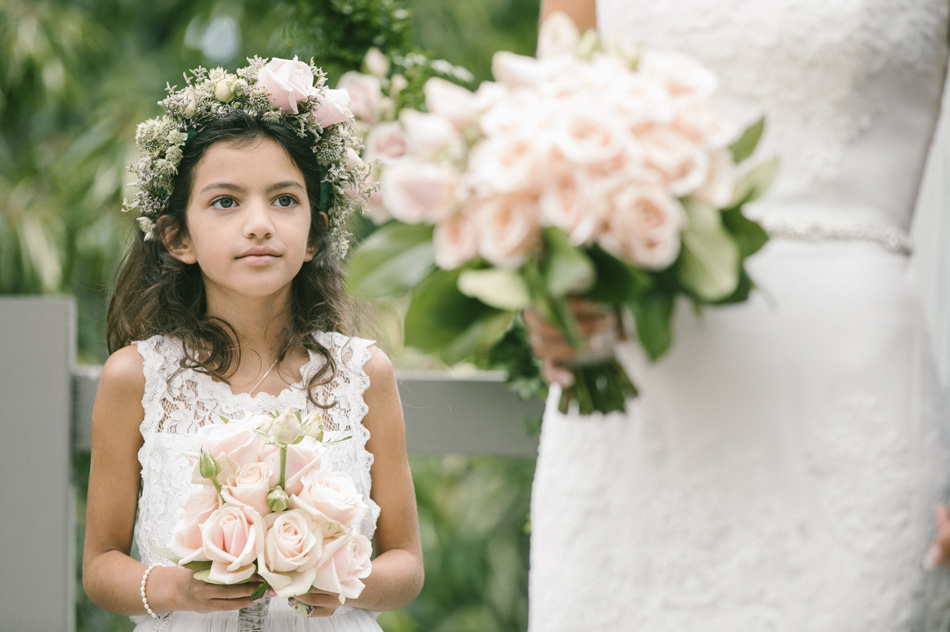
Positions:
(258, 221)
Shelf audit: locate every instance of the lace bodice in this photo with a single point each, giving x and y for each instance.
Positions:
(177, 402)
(839, 81)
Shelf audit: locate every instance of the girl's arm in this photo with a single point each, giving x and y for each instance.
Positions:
(111, 577)
(583, 12)
(397, 574)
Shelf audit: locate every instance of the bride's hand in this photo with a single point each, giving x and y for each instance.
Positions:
(552, 348)
(183, 592)
(316, 603)
(939, 552)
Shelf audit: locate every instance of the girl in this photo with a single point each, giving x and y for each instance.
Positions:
(230, 303)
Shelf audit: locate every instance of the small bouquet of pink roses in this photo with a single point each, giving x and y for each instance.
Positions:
(265, 507)
(589, 171)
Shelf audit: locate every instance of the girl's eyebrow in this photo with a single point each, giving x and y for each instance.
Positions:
(228, 186)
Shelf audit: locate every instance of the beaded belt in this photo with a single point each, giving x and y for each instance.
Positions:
(891, 238)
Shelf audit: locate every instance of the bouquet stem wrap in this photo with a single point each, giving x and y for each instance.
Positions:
(251, 618)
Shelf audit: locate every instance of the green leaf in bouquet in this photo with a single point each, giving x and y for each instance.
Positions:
(565, 268)
(502, 289)
(617, 282)
(755, 183)
(391, 261)
(708, 265)
(743, 148)
(259, 591)
(442, 320)
(749, 235)
(652, 315)
(198, 566)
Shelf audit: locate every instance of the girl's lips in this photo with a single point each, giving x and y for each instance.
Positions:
(258, 260)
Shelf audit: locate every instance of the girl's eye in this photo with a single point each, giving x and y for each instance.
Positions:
(224, 203)
(285, 201)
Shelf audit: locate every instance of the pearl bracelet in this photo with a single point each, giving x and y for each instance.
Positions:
(142, 593)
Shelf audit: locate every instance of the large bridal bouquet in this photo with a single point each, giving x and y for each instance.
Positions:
(266, 507)
(590, 171)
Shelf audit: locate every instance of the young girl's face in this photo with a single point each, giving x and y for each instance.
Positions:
(248, 221)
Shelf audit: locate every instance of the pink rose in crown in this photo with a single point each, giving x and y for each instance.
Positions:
(333, 109)
(288, 82)
(345, 561)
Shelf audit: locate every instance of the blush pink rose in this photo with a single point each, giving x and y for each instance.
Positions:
(588, 135)
(455, 241)
(345, 561)
(508, 229)
(291, 550)
(186, 534)
(454, 103)
(514, 70)
(642, 225)
(569, 202)
(429, 135)
(507, 163)
(332, 496)
(416, 191)
(683, 76)
(681, 163)
(233, 445)
(386, 142)
(333, 108)
(558, 36)
(249, 486)
(721, 182)
(230, 538)
(366, 95)
(703, 124)
(288, 82)
(301, 458)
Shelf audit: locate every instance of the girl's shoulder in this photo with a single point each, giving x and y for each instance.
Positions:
(123, 373)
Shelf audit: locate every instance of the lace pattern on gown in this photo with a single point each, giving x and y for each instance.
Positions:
(178, 402)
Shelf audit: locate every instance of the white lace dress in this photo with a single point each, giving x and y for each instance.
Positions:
(780, 470)
(178, 402)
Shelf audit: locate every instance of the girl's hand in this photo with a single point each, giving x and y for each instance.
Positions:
(939, 552)
(551, 347)
(198, 596)
(316, 603)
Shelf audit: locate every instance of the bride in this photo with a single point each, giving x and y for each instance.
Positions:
(780, 468)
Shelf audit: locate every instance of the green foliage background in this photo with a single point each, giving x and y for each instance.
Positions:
(78, 76)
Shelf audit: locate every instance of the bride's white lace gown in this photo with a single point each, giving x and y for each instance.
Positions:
(780, 470)
(178, 402)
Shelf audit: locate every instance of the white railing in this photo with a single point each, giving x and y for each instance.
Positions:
(45, 411)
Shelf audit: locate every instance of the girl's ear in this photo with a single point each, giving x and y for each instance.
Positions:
(312, 246)
(176, 241)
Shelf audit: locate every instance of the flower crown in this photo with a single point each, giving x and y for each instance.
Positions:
(287, 92)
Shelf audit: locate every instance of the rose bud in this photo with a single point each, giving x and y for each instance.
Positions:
(277, 499)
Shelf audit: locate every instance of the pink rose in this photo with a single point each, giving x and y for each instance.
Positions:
(558, 36)
(290, 552)
(721, 181)
(366, 95)
(642, 225)
(301, 458)
(681, 163)
(682, 75)
(332, 496)
(508, 229)
(386, 142)
(586, 135)
(186, 534)
(507, 163)
(429, 135)
(376, 63)
(333, 108)
(230, 537)
(455, 241)
(288, 82)
(456, 104)
(249, 486)
(514, 70)
(233, 445)
(569, 203)
(703, 124)
(638, 101)
(345, 561)
(416, 192)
